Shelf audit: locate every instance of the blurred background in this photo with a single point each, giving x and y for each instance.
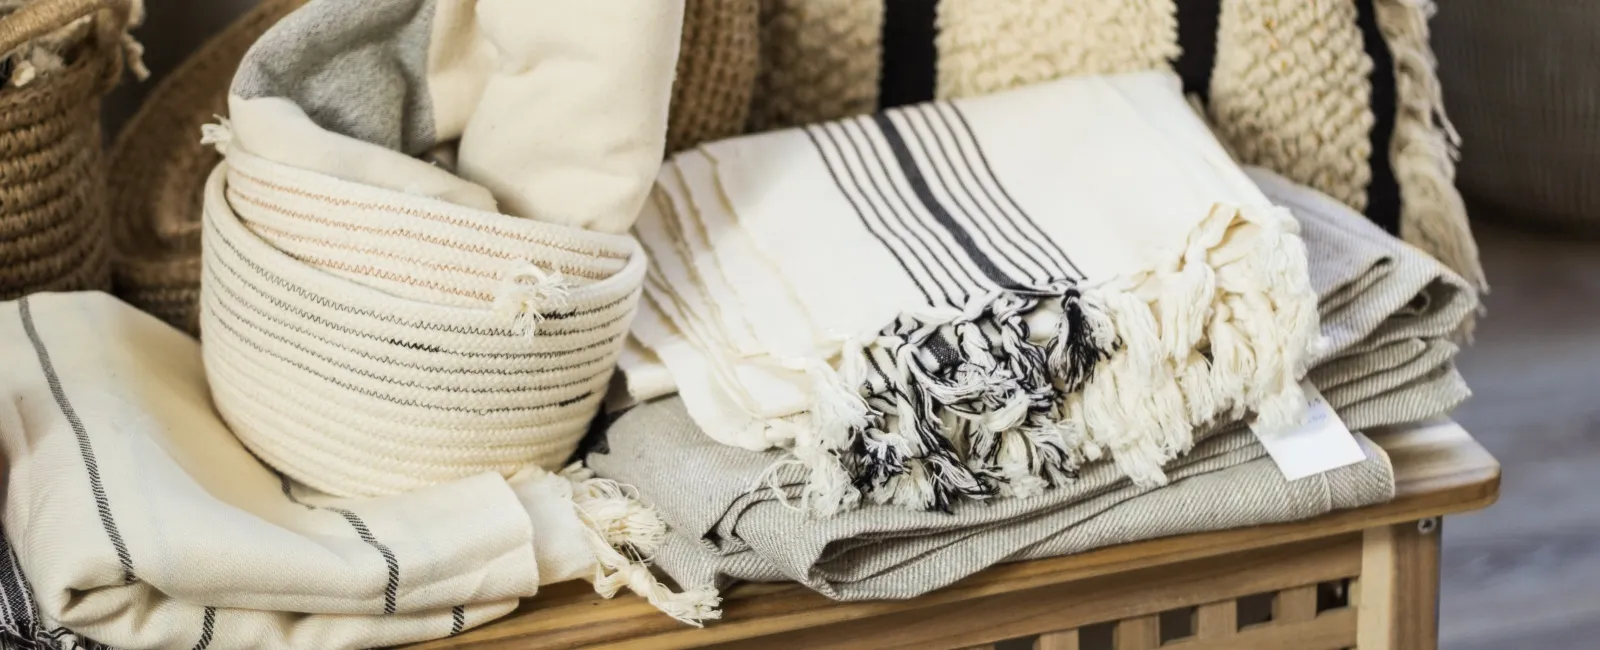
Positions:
(1522, 84)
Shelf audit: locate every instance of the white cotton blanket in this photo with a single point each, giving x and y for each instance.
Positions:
(142, 522)
(968, 298)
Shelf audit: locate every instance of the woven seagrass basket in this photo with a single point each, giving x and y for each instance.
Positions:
(158, 166)
(53, 234)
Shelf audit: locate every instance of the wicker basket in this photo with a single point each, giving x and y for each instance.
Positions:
(158, 167)
(53, 234)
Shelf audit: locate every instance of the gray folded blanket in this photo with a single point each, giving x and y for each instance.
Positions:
(1388, 312)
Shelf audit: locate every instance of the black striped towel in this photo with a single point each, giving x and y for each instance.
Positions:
(966, 299)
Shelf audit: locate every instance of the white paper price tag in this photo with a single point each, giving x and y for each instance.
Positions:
(1321, 444)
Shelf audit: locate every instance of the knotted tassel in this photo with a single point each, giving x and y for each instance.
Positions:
(614, 522)
(527, 293)
(218, 135)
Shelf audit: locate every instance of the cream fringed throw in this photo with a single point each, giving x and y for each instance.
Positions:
(968, 299)
(376, 323)
(141, 522)
(1388, 313)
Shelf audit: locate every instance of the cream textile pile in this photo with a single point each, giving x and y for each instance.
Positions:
(415, 266)
(377, 322)
(142, 522)
(968, 299)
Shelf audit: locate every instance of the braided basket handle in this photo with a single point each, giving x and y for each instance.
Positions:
(37, 19)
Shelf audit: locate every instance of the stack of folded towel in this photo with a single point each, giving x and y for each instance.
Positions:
(958, 334)
(967, 299)
(1388, 312)
(1018, 316)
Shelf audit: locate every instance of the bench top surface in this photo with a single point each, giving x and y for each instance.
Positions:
(1439, 470)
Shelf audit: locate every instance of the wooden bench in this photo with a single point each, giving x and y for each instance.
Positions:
(1365, 579)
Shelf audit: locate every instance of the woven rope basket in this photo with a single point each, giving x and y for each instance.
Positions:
(158, 169)
(53, 234)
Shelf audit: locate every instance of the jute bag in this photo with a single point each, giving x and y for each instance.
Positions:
(158, 172)
(52, 206)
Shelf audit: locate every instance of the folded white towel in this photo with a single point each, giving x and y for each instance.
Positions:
(967, 298)
(141, 521)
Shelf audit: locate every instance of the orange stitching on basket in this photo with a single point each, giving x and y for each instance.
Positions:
(275, 232)
(234, 194)
(395, 277)
(433, 216)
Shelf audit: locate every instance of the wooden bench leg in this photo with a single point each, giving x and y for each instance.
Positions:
(1397, 595)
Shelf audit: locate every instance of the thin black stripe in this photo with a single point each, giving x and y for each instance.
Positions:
(910, 225)
(458, 617)
(1043, 237)
(19, 602)
(1041, 273)
(269, 316)
(390, 592)
(907, 214)
(1383, 192)
(424, 325)
(270, 277)
(288, 491)
(399, 400)
(85, 449)
(924, 194)
(1197, 44)
(363, 532)
(910, 52)
(206, 626)
(390, 380)
(862, 215)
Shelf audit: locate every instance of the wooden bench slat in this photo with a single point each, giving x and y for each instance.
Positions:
(1439, 469)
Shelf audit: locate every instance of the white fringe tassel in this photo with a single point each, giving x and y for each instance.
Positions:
(616, 522)
(527, 293)
(972, 403)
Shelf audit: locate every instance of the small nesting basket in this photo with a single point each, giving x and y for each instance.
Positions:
(366, 341)
(53, 234)
(158, 169)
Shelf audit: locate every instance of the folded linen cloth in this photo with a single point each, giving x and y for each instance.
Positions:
(1388, 311)
(730, 526)
(141, 522)
(969, 298)
(379, 325)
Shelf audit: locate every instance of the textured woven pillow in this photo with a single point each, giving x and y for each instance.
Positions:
(1336, 94)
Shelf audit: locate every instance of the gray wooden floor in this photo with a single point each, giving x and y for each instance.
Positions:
(1526, 572)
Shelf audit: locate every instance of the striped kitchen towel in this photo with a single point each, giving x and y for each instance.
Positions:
(966, 299)
(142, 522)
(415, 265)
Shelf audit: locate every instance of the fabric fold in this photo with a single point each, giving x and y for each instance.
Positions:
(415, 262)
(964, 299)
(1388, 312)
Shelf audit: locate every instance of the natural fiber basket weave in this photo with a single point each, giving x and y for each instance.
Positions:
(53, 234)
(158, 169)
